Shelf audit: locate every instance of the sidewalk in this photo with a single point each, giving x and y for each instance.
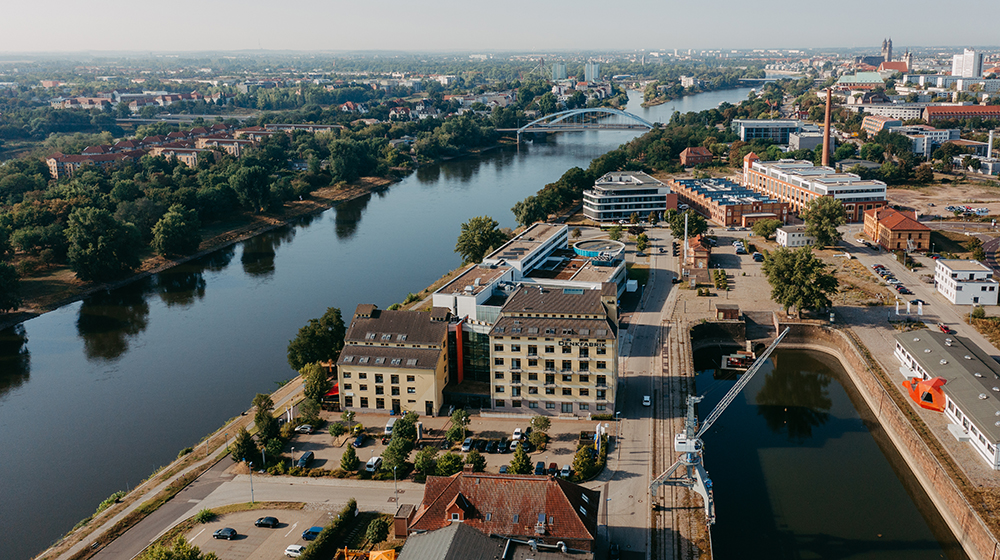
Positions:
(88, 537)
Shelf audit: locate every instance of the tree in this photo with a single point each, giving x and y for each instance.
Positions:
(924, 173)
(449, 464)
(798, 279)
(252, 187)
(822, 216)
(177, 232)
(267, 426)
(337, 429)
(319, 341)
(425, 461)
(766, 228)
(539, 439)
(460, 418)
(476, 459)
(100, 247)
(520, 463)
(315, 382)
(242, 447)
(654, 218)
(347, 416)
(529, 211)
(10, 288)
(349, 460)
(641, 242)
(181, 550)
(633, 218)
(576, 233)
(583, 462)
(696, 225)
(455, 434)
(540, 423)
(479, 235)
(404, 438)
(309, 411)
(377, 531)
(615, 232)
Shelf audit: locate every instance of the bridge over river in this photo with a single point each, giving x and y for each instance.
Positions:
(577, 120)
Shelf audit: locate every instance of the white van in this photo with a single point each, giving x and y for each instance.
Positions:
(389, 425)
(373, 464)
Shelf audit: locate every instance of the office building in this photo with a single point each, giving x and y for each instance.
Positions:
(793, 237)
(619, 194)
(558, 71)
(969, 64)
(776, 131)
(873, 124)
(726, 203)
(897, 230)
(965, 282)
(592, 72)
(798, 182)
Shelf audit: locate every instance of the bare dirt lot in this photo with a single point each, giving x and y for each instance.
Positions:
(941, 195)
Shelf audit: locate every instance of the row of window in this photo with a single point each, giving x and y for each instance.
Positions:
(550, 365)
(533, 350)
(563, 407)
(380, 390)
(550, 378)
(602, 394)
(379, 378)
(379, 403)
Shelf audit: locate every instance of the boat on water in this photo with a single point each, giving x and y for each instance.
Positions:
(739, 361)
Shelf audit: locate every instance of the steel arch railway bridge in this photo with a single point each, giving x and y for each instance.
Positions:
(577, 120)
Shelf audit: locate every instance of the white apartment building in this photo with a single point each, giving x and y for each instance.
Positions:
(965, 282)
(971, 389)
(619, 194)
(793, 236)
(969, 64)
(926, 138)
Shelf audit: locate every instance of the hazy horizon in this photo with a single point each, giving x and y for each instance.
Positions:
(448, 26)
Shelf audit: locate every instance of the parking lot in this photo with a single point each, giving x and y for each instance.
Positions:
(256, 542)
(563, 437)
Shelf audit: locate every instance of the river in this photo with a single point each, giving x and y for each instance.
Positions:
(96, 395)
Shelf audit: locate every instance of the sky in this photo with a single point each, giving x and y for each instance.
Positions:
(506, 25)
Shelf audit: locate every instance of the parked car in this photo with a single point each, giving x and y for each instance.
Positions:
(504, 446)
(311, 533)
(516, 435)
(294, 550)
(493, 446)
(304, 429)
(540, 467)
(481, 445)
(359, 441)
(467, 445)
(553, 468)
(614, 552)
(566, 471)
(646, 400)
(373, 464)
(225, 533)
(305, 459)
(503, 469)
(918, 301)
(892, 281)
(271, 522)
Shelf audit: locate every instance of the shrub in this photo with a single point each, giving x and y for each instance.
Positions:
(337, 429)
(204, 516)
(111, 500)
(184, 452)
(978, 313)
(334, 533)
(378, 530)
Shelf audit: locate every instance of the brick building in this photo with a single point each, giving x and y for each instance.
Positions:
(727, 203)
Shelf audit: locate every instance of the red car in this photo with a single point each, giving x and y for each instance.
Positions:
(944, 328)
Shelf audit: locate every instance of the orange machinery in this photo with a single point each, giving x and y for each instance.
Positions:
(927, 393)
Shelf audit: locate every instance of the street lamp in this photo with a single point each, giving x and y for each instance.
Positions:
(293, 458)
(251, 481)
(227, 442)
(395, 487)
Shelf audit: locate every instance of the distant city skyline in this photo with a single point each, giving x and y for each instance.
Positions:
(517, 25)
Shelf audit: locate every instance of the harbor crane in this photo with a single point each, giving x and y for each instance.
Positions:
(690, 446)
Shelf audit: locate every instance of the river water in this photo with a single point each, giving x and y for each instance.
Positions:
(96, 395)
(801, 469)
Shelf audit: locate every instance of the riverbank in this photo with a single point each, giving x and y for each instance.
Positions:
(61, 287)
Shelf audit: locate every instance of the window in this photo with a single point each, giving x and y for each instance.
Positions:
(379, 403)
(584, 352)
(498, 361)
(364, 402)
(515, 378)
(602, 365)
(515, 363)
(584, 366)
(362, 375)
(454, 517)
(601, 407)
(602, 394)
(567, 349)
(550, 349)
(567, 391)
(498, 347)
(411, 390)
(532, 404)
(379, 390)
(515, 391)
(550, 390)
(498, 375)
(550, 405)
(515, 347)
(550, 365)
(395, 391)
(363, 387)
(348, 402)
(567, 407)
(515, 404)
(347, 375)
(584, 406)
(532, 390)
(567, 365)
(379, 378)
(532, 376)
(550, 379)
(567, 377)
(584, 379)
(499, 403)
(532, 350)
(499, 389)
(410, 379)
(602, 351)
(394, 379)
(584, 392)
(347, 386)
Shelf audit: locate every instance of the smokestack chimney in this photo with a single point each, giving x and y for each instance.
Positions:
(989, 149)
(826, 130)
